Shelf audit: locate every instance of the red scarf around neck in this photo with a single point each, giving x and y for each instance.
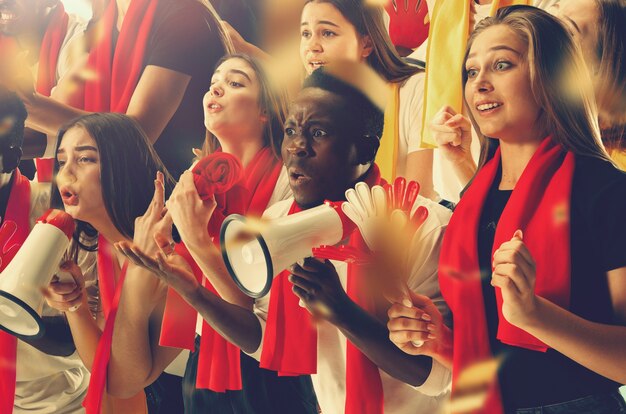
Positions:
(119, 66)
(219, 361)
(290, 340)
(110, 282)
(13, 232)
(539, 206)
(46, 73)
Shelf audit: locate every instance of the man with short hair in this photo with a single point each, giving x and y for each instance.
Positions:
(330, 141)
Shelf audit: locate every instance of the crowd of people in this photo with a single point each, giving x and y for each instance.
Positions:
(499, 288)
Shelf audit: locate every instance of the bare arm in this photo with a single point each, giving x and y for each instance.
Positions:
(599, 347)
(238, 325)
(419, 167)
(155, 100)
(189, 214)
(136, 358)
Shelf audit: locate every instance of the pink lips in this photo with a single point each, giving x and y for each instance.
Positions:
(69, 198)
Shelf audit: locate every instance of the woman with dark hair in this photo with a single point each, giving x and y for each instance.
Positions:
(243, 117)
(105, 169)
(532, 263)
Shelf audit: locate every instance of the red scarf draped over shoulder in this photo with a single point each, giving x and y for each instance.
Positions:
(539, 206)
(219, 360)
(110, 283)
(119, 67)
(46, 73)
(290, 339)
(13, 233)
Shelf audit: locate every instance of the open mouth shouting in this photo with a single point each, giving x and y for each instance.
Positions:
(297, 177)
(69, 197)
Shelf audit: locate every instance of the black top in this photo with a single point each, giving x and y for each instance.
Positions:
(598, 245)
(183, 39)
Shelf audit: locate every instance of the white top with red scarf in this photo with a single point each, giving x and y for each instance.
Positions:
(330, 381)
(46, 383)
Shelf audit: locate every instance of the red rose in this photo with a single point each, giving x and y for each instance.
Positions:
(216, 173)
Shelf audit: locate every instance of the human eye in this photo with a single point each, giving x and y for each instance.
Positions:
(84, 159)
(319, 133)
(305, 33)
(235, 84)
(289, 131)
(502, 65)
(328, 33)
(61, 163)
(471, 73)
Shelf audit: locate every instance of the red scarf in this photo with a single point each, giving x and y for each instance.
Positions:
(46, 73)
(110, 282)
(119, 67)
(13, 233)
(219, 360)
(290, 341)
(539, 206)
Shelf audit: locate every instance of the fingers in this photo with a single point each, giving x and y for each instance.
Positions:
(511, 273)
(158, 200)
(398, 310)
(165, 245)
(311, 269)
(72, 268)
(306, 285)
(65, 302)
(505, 283)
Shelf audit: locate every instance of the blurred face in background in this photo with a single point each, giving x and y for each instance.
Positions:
(326, 36)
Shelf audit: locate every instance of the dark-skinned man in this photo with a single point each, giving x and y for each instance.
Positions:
(330, 139)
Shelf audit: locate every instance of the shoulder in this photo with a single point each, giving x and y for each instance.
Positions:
(597, 183)
(413, 87)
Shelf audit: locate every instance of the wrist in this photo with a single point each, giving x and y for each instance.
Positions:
(196, 241)
(532, 316)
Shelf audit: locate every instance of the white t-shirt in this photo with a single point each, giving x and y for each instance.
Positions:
(45, 383)
(330, 381)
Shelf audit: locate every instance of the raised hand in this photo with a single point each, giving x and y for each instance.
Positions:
(514, 273)
(155, 220)
(453, 134)
(166, 264)
(189, 212)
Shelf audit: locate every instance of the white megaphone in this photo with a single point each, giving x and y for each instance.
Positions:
(30, 271)
(254, 256)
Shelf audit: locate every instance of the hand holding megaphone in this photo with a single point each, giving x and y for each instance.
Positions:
(30, 272)
(66, 291)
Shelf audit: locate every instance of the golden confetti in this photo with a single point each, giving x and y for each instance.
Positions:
(6, 125)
